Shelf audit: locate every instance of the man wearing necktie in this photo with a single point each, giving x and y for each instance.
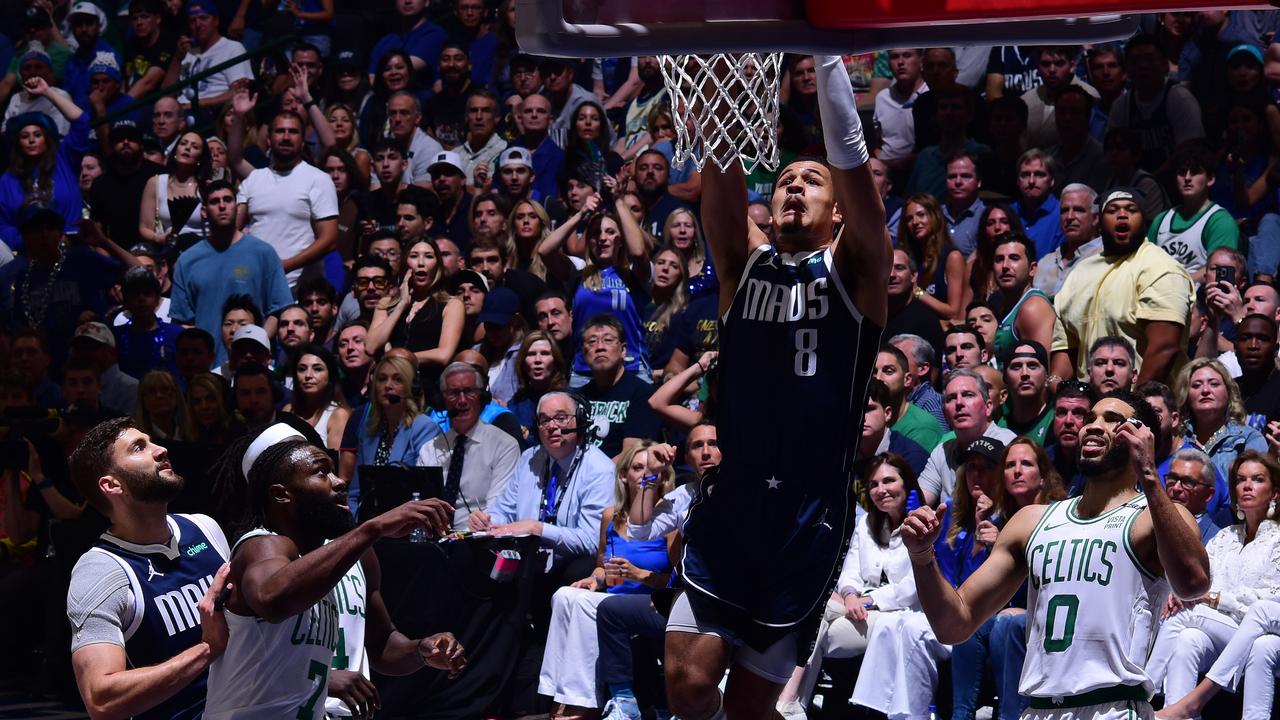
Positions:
(478, 458)
(558, 492)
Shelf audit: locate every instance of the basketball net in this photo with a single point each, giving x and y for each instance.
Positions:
(725, 108)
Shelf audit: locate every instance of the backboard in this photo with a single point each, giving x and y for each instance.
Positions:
(611, 28)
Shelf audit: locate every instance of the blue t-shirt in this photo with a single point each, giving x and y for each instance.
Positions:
(613, 298)
(141, 352)
(81, 284)
(205, 277)
(1042, 225)
(423, 42)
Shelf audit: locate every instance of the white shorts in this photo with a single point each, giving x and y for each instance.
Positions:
(774, 664)
(1120, 710)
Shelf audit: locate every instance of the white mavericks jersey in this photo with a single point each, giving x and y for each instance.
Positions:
(352, 594)
(1085, 602)
(274, 670)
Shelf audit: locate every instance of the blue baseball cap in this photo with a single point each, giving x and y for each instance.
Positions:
(500, 305)
(1248, 50)
(200, 7)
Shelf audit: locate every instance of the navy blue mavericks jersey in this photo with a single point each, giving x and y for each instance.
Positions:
(795, 358)
(167, 587)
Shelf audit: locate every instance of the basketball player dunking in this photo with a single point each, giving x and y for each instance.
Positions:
(802, 316)
(1089, 560)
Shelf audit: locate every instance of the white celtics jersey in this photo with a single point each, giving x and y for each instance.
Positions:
(274, 670)
(351, 654)
(1085, 602)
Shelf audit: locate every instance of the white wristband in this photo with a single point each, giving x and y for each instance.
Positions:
(841, 126)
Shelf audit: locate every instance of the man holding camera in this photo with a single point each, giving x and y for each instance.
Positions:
(1133, 290)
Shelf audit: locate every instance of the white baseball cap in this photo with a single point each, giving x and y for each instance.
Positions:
(515, 156)
(98, 332)
(254, 333)
(446, 157)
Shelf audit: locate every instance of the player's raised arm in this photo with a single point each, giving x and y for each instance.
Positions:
(956, 614)
(724, 219)
(862, 251)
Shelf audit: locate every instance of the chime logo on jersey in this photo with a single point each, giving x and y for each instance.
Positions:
(178, 607)
(1074, 560)
(779, 302)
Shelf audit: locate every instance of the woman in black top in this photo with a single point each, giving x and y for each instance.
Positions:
(422, 318)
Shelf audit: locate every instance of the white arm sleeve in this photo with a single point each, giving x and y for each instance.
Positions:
(841, 126)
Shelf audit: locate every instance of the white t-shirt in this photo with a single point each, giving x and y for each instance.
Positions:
(220, 51)
(897, 126)
(23, 102)
(421, 151)
(282, 207)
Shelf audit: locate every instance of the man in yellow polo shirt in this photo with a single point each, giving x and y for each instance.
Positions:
(1134, 289)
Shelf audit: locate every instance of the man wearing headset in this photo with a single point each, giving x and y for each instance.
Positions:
(558, 492)
(478, 459)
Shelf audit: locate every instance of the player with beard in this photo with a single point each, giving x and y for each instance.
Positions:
(282, 609)
(1129, 290)
(1090, 561)
(142, 637)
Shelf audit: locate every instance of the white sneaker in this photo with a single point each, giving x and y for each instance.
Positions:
(792, 710)
(621, 708)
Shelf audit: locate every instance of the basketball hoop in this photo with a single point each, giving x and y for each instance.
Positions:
(725, 108)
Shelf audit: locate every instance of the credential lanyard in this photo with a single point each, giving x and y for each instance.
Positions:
(553, 491)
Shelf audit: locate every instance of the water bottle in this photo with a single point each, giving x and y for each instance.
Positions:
(417, 535)
(933, 712)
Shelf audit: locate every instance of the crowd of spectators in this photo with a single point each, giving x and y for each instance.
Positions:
(398, 233)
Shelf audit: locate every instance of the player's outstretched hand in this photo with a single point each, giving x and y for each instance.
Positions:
(434, 515)
(442, 651)
(213, 624)
(354, 689)
(921, 530)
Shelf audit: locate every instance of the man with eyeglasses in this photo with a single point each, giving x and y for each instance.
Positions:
(1190, 483)
(228, 262)
(619, 400)
(478, 459)
(373, 279)
(558, 493)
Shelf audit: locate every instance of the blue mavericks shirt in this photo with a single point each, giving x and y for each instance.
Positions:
(795, 358)
(166, 620)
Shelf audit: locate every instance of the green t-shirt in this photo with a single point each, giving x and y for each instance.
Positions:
(1038, 430)
(919, 426)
